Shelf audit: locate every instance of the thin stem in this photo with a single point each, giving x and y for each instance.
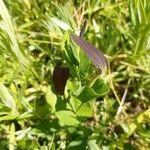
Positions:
(123, 98)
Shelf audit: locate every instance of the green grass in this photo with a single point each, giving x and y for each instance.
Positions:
(97, 111)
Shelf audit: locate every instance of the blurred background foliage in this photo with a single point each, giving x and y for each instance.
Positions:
(107, 111)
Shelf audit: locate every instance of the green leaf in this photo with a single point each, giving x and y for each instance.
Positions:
(70, 52)
(99, 88)
(10, 116)
(92, 145)
(145, 134)
(84, 110)
(70, 55)
(61, 104)
(51, 98)
(84, 64)
(81, 109)
(77, 144)
(67, 118)
(7, 97)
(42, 108)
(87, 94)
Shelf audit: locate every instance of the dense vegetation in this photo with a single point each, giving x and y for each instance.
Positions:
(96, 111)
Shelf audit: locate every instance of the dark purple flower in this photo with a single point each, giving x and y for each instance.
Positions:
(94, 54)
(60, 77)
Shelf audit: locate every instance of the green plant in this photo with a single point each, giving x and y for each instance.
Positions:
(96, 111)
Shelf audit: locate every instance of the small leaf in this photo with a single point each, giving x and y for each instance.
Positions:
(42, 107)
(99, 88)
(71, 55)
(67, 118)
(7, 97)
(51, 98)
(84, 66)
(85, 110)
(87, 94)
(92, 145)
(10, 116)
